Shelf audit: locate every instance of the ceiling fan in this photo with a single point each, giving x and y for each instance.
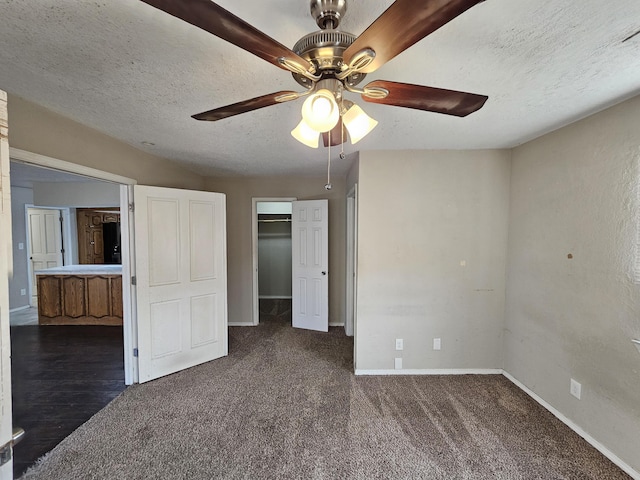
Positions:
(330, 62)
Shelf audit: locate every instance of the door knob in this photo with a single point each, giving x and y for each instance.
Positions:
(324, 273)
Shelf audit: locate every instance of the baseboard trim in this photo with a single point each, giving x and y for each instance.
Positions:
(274, 297)
(19, 309)
(249, 324)
(569, 423)
(336, 324)
(432, 371)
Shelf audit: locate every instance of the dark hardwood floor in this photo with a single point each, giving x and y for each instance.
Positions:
(61, 376)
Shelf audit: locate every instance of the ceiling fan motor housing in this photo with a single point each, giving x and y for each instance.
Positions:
(325, 48)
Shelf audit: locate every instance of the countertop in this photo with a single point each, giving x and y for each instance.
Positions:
(82, 270)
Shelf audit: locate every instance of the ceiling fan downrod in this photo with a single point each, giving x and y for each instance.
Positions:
(328, 13)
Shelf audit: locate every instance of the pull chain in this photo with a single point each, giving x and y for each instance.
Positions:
(341, 128)
(328, 186)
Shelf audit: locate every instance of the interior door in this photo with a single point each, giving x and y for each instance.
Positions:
(310, 259)
(45, 243)
(181, 276)
(6, 470)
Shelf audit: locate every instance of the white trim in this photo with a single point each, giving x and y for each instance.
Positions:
(23, 156)
(241, 324)
(351, 262)
(569, 423)
(336, 324)
(19, 309)
(433, 371)
(127, 256)
(254, 251)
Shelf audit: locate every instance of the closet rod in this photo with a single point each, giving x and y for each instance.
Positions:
(275, 220)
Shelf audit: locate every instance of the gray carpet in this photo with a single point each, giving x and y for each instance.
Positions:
(285, 404)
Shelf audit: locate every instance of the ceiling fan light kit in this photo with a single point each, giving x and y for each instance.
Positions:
(305, 134)
(330, 62)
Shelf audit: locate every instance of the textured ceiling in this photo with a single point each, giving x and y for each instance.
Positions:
(138, 74)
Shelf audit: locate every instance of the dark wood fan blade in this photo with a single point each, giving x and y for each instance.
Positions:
(450, 102)
(404, 23)
(241, 107)
(337, 137)
(215, 19)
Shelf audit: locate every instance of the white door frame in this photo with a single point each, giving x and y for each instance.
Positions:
(6, 269)
(254, 254)
(129, 319)
(352, 257)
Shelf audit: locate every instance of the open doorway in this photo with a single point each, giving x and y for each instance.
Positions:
(51, 399)
(272, 257)
(307, 272)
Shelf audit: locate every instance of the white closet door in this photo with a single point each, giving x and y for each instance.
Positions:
(310, 259)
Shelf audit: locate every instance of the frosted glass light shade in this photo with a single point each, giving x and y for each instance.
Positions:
(358, 123)
(305, 134)
(320, 111)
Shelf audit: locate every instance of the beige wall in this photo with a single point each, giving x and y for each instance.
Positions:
(575, 192)
(38, 130)
(421, 214)
(240, 192)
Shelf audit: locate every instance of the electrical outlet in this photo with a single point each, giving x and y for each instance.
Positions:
(20, 246)
(23, 291)
(437, 345)
(399, 344)
(398, 364)
(575, 389)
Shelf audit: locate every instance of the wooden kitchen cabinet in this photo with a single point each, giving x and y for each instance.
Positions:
(91, 245)
(78, 299)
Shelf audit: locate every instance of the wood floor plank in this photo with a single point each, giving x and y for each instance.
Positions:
(61, 377)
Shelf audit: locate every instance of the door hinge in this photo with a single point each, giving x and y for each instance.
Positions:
(133, 280)
(60, 218)
(135, 352)
(131, 207)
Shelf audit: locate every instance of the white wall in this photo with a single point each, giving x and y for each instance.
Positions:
(575, 192)
(20, 197)
(76, 194)
(422, 213)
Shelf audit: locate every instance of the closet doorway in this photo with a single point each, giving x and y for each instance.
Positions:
(272, 256)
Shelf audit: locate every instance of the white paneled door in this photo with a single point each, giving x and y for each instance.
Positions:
(310, 258)
(6, 468)
(181, 276)
(45, 243)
